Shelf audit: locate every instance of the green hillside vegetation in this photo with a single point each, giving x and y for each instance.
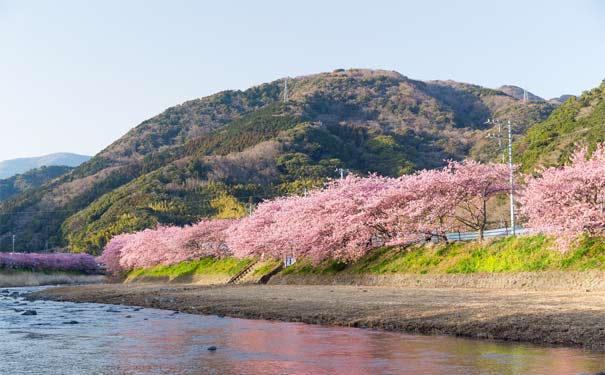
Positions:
(578, 121)
(511, 254)
(211, 157)
(12, 186)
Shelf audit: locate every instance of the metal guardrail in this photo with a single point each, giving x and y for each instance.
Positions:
(500, 232)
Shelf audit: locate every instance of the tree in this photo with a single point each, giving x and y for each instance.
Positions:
(166, 246)
(471, 185)
(568, 201)
(328, 223)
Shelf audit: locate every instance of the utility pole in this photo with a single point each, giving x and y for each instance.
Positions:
(342, 172)
(497, 136)
(511, 177)
(510, 165)
(14, 243)
(525, 96)
(286, 90)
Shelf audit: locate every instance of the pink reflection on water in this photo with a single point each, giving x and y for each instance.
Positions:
(178, 345)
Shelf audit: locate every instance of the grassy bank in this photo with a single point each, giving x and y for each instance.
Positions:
(502, 255)
(511, 254)
(189, 271)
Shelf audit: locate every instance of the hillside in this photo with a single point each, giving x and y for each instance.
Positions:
(212, 156)
(519, 93)
(579, 120)
(9, 168)
(15, 185)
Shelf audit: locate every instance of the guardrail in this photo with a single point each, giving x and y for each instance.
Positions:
(469, 236)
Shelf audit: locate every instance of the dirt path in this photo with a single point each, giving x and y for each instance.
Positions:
(556, 317)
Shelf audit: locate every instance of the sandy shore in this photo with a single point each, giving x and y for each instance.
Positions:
(568, 318)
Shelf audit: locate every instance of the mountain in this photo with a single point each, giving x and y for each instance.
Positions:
(519, 93)
(561, 99)
(9, 168)
(15, 185)
(211, 157)
(579, 120)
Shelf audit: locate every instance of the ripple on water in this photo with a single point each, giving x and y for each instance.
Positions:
(68, 338)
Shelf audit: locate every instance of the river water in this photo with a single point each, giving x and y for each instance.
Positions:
(69, 338)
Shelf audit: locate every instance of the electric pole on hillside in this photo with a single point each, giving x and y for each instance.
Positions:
(525, 96)
(286, 90)
(510, 165)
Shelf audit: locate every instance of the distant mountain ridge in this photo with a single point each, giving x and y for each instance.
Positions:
(23, 182)
(10, 168)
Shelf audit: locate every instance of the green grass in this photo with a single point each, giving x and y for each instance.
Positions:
(267, 267)
(204, 266)
(511, 254)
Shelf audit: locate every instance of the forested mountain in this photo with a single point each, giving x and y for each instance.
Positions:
(9, 168)
(213, 156)
(21, 183)
(578, 121)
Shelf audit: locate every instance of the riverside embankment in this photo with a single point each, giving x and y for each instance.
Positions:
(572, 318)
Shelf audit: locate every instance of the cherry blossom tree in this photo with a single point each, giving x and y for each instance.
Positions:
(567, 201)
(327, 223)
(166, 246)
(471, 185)
(49, 262)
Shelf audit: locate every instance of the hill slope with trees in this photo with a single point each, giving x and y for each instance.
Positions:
(578, 121)
(212, 157)
(15, 185)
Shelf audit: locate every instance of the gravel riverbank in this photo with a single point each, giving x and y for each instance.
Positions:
(10, 279)
(569, 318)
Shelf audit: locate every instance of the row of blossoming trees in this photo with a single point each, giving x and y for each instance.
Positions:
(82, 263)
(351, 216)
(342, 221)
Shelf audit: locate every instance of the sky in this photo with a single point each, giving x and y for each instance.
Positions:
(77, 75)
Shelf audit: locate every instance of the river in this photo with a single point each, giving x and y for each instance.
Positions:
(68, 338)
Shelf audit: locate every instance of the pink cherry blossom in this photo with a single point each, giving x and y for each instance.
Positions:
(567, 201)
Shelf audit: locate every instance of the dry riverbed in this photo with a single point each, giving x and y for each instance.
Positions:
(569, 318)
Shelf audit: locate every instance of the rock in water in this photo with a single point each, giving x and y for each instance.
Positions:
(30, 312)
(212, 348)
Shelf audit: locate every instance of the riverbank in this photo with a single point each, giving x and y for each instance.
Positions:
(568, 318)
(9, 279)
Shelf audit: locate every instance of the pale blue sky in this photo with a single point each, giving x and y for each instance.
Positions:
(76, 75)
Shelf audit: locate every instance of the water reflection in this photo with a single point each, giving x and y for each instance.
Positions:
(121, 340)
